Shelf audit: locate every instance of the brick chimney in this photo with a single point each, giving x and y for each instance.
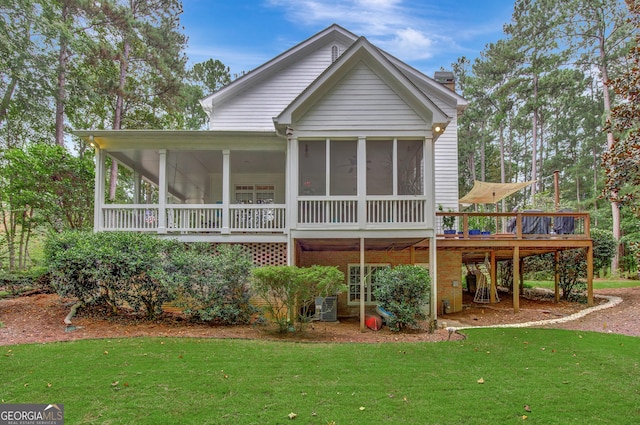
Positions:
(446, 79)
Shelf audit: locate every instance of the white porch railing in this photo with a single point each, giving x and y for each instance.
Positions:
(130, 217)
(334, 211)
(257, 218)
(194, 218)
(379, 211)
(190, 218)
(396, 210)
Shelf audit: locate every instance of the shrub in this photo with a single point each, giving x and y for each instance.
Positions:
(604, 248)
(113, 268)
(215, 286)
(287, 290)
(72, 258)
(403, 291)
(572, 268)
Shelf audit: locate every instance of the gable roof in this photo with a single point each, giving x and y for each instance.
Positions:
(363, 51)
(334, 32)
(421, 90)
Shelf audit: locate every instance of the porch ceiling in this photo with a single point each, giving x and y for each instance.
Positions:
(373, 244)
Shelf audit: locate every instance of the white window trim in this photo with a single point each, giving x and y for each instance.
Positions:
(254, 190)
(368, 282)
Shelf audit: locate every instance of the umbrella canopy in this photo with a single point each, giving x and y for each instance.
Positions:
(491, 193)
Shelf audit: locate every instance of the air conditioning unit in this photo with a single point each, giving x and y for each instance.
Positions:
(327, 309)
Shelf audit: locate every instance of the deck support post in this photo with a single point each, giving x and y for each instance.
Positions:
(493, 285)
(590, 276)
(516, 279)
(556, 274)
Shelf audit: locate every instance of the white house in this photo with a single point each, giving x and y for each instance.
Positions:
(334, 152)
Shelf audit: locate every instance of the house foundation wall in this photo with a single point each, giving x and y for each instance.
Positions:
(449, 281)
(449, 270)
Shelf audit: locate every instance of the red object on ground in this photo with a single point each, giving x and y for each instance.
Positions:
(373, 321)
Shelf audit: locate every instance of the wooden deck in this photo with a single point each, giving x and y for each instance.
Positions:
(514, 236)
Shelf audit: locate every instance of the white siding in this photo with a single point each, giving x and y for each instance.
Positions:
(446, 160)
(361, 101)
(446, 167)
(254, 109)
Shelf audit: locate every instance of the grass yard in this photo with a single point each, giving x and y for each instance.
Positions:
(564, 377)
(597, 283)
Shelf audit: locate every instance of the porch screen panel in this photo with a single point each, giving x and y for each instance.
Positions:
(379, 167)
(344, 167)
(410, 167)
(312, 168)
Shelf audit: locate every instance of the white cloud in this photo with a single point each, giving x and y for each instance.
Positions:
(390, 24)
(409, 42)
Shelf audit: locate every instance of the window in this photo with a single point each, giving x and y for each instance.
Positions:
(335, 52)
(255, 194)
(312, 165)
(370, 271)
(343, 161)
(410, 167)
(380, 158)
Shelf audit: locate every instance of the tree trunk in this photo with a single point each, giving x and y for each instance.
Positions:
(534, 139)
(615, 207)
(63, 58)
(502, 170)
(117, 116)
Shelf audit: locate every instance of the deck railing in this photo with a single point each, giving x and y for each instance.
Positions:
(191, 218)
(343, 210)
(514, 225)
(333, 212)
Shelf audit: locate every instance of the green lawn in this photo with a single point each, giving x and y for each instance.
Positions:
(565, 377)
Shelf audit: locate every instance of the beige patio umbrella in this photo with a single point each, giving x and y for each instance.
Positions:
(491, 193)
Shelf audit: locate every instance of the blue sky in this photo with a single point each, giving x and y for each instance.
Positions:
(427, 34)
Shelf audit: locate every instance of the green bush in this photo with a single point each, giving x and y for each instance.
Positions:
(110, 268)
(403, 291)
(572, 269)
(604, 248)
(288, 291)
(72, 258)
(214, 286)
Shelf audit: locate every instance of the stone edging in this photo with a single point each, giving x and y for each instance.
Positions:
(612, 302)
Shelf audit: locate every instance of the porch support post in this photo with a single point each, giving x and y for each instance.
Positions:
(226, 189)
(493, 287)
(98, 193)
(428, 183)
(516, 279)
(433, 272)
(590, 276)
(362, 182)
(137, 187)
(291, 183)
(556, 275)
(162, 191)
(362, 293)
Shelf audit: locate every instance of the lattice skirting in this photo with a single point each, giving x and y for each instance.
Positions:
(268, 254)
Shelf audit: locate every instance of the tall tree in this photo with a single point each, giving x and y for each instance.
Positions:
(599, 33)
(622, 160)
(533, 29)
(145, 44)
(25, 73)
